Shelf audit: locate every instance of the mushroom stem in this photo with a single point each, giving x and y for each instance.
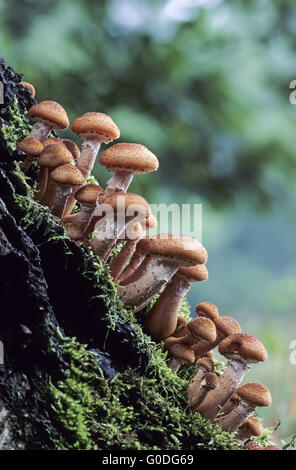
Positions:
(40, 131)
(228, 383)
(139, 293)
(119, 262)
(42, 181)
(77, 227)
(50, 192)
(60, 199)
(162, 319)
(108, 232)
(25, 165)
(175, 364)
(88, 156)
(120, 181)
(124, 277)
(237, 416)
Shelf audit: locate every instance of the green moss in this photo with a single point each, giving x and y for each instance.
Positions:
(17, 127)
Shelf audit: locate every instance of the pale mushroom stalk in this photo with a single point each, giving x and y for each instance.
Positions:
(204, 365)
(63, 191)
(119, 182)
(41, 130)
(119, 262)
(86, 161)
(208, 382)
(49, 195)
(125, 276)
(181, 355)
(26, 164)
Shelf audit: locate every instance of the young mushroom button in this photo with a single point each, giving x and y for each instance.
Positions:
(67, 177)
(88, 196)
(241, 351)
(162, 319)
(47, 115)
(32, 148)
(252, 427)
(204, 364)
(251, 395)
(165, 253)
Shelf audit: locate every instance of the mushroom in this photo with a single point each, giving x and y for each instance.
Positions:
(88, 196)
(230, 404)
(181, 328)
(198, 330)
(119, 262)
(252, 427)
(120, 209)
(225, 326)
(204, 365)
(241, 351)
(48, 115)
(125, 160)
(251, 395)
(129, 274)
(72, 147)
(55, 153)
(161, 321)
(165, 253)
(272, 447)
(67, 177)
(182, 354)
(208, 382)
(253, 445)
(32, 148)
(30, 87)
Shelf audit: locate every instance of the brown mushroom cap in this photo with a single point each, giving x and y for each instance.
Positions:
(209, 381)
(72, 147)
(203, 328)
(253, 445)
(207, 309)
(133, 158)
(55, 154)
(30, 146)
(51, 113)
(254, 425)
(67, 174)
(51, 140)
(254, 393)
(182, 352)
(96, 126)
(196, 273)
(188, 250)
(272, 447)
(30, 87)
(227, 325)
(206, 363)
(89, 193)
(128, 200)
(243, 346)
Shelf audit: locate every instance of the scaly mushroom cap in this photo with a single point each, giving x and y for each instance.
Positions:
(253, 445)
(181, 322)
(202, 328)
(30, 87)
(133, 158)
(272, 447)
(67, 174)
(209, 381)
(72, 147)
(187, 250)
(182, 353)
(51, 140)
(254, 393)
(55, 154)
(51, 113)
(227, 325)
(252, 425)
(196, 273)
(128, 201)
(96, 126)
(207, 309)
(242, 346)
(89, 193)
(30, 146)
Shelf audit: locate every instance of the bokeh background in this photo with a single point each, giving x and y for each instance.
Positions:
(205, 85)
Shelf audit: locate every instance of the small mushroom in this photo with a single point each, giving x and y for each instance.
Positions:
(165, 253)
(182, 354)
(67, 177)
(251, 395)
(72, 147)
(230, 404)
(120, 209)
(208, 382)
(253, 445)
(130, 273)
(48, 115)
(242, 350)
(204, 365)
(181, 328)
(272, 447)
(30, 87)
(88, 197)
(120, 261)
(252, 427)
(55, 153)
(32, 148)
(225, 326)
(161, 321)
(125, 160)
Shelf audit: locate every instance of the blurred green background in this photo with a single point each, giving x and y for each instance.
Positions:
(205, 85)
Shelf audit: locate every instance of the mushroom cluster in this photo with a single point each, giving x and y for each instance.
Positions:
(147, 268)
